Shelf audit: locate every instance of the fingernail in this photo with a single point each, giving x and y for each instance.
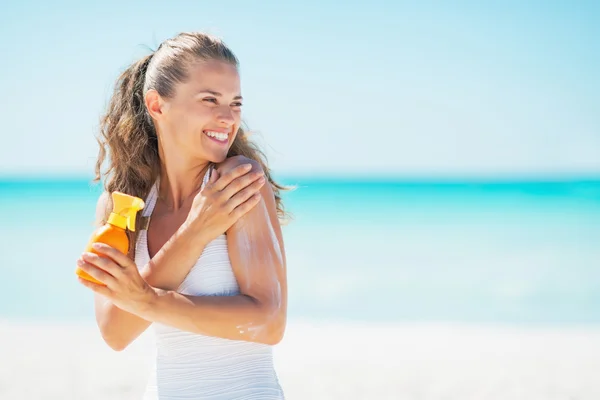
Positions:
(261, 180)
(80, 262)
(97, 246)
(247, 167)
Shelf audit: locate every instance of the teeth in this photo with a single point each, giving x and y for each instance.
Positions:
(217, 135)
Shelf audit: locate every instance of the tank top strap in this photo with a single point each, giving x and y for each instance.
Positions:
(153, 197)
(207, 174)
(150, 203)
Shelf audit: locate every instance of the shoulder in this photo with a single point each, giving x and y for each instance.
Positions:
(102, 207)
(266, 210)
(235, 161)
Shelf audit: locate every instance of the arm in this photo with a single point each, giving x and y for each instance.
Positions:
(257, 256)
(118, 327)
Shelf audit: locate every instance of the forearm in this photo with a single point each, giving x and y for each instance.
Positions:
(237, 317)
(169, 267)
(118, 327)
(166, 271)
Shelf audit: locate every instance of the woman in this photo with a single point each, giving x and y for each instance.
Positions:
(209, 271)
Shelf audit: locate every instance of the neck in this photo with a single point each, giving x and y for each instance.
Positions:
(180, 181)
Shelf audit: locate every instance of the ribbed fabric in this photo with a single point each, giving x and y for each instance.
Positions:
(192, 366)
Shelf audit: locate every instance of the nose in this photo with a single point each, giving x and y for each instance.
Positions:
(225, 116)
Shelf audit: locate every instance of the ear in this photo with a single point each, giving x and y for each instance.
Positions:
(154, 104)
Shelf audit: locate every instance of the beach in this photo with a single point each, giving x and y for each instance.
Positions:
(511, 268)
(442, 231)
(326, 361)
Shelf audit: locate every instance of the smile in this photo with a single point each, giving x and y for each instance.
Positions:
(220, 137)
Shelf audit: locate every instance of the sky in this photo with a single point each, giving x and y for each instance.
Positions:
(369, 88)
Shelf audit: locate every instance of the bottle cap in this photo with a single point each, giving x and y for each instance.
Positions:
(124, 212)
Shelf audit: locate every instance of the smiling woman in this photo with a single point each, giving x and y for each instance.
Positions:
(209, 270)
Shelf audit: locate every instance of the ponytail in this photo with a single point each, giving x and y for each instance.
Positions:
(128, 136)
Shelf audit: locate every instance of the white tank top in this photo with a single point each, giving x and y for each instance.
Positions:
(193, 366)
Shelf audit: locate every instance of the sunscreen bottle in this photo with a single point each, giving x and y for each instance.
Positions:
(113, 233)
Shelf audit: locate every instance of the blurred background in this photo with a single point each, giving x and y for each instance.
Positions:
(446, 156)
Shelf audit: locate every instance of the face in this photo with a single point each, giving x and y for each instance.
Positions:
(201, 120)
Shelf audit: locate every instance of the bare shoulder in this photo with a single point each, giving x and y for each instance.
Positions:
(235, 161)
(265, 213)
(102, 208)
(232, 162)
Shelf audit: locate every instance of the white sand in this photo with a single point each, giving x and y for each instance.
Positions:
(421, 362)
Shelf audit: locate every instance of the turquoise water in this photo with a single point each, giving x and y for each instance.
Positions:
(481, 252)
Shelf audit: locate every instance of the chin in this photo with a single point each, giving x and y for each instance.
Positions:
(218, 158)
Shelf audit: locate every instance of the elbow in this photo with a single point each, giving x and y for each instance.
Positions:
(268, 328)
(274, 338)
(118, 346)
(114, 339)
(276, 329)
(275, 335)
(115, 344)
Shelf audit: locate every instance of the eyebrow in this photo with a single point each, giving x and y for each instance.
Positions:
(238, 97)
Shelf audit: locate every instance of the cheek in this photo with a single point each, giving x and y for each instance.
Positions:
(185, 115)
(236, 131)
(199, 113)
(238, 121)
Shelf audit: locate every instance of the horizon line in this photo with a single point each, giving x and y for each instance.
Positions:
(336, 177)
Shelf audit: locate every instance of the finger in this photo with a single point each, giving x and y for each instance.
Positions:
(246, 206)
(241, 183)
(210, 186)
(104, 263)
(244, 194)
(122, 260)
(96, 273)
(103, 290)
(226, 179)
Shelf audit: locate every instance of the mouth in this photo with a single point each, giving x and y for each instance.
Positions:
(216, 136)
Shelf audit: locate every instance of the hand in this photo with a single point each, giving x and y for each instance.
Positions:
(124, 285)
(224, 200)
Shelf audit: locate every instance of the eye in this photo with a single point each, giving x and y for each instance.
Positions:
(237, 104)
(210, 99)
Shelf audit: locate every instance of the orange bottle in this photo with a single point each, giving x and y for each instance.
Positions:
(114, 233)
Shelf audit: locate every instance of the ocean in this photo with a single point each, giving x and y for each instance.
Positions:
(504, 252)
